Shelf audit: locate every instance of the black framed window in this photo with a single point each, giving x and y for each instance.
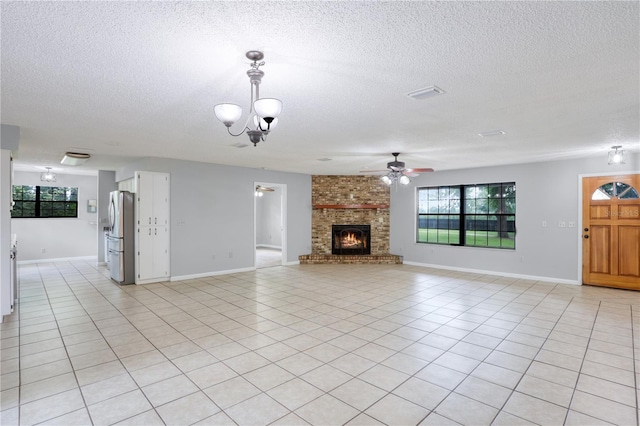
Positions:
(44, 201)
(479, 215)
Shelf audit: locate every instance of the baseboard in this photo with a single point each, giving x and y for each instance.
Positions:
(58, 259)
(210, 274)
(267, 246)
(495, 273)
(293, 263)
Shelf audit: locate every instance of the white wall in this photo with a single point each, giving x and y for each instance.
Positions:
(212, 209)
(269, 219)
(59, 237)
(545, 192)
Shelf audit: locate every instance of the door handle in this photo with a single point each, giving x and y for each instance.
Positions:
(586, 237)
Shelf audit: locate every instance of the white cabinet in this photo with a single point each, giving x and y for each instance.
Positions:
(152, 227)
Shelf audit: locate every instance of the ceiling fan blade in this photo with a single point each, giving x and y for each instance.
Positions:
(410, 174)
(419, 170)
(261, 188)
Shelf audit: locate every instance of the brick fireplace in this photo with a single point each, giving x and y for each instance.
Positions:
(349, 200)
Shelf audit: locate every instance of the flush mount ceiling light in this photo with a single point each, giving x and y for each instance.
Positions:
(263, 112)
(48, 176)
(616, 157)
(74, 158)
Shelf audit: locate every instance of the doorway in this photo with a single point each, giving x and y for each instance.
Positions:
(611, 231)
(269, 219)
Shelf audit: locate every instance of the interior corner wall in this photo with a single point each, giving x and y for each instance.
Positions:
(546, 191)
(212, 216)
(58, 237)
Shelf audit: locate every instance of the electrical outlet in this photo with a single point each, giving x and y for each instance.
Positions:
(44, 250)
(521, 258)
(562, 224)
(230, 255)
(572, 224)
(544, 223)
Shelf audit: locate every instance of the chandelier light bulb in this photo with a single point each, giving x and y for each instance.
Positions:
(386, 180)
(261, 124)
(404, 180)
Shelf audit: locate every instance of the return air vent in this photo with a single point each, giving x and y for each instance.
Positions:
(427, 92)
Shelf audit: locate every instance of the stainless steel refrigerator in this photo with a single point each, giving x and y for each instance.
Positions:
(120, 240)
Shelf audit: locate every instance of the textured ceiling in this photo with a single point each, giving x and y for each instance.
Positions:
(124, 80)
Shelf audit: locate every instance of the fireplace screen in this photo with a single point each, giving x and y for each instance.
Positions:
(351, 239)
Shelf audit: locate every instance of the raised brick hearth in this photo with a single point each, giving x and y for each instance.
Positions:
(349, 200)
(380, 259)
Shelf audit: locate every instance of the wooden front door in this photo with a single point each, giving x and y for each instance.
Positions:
(611, 231)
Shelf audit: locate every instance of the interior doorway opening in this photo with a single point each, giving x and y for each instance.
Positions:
(269, 230)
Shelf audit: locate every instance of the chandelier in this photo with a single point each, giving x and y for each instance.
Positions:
(616, 157)
(48, 176)
(263, 112)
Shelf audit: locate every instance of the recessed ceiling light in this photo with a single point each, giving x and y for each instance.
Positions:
(324, 159)
(492, 133)
(427, 92)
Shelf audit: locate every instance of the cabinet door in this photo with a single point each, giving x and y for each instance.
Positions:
(145, 198)
(144, 253)
(161, 199)
(161, 251)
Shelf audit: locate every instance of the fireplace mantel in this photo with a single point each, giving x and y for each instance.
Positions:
(350, 206)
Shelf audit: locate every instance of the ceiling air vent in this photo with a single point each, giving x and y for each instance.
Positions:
(427, 92)
(492, 133)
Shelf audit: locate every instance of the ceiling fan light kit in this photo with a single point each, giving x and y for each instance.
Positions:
(397, 173)
(263, 112)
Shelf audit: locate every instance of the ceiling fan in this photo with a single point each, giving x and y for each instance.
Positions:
(396, 172)
(260, 190)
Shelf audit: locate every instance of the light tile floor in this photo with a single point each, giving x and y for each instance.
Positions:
(268, 257)
(317, 344)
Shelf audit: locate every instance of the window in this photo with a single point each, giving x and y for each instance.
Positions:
(619, 190)
(44, 201)
(482, 215)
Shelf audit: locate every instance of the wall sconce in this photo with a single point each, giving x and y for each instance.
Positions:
(616, 157)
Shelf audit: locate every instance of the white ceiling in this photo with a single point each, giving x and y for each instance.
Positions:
(124, 80)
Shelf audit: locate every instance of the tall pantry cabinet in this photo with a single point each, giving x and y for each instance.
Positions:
(152, 227)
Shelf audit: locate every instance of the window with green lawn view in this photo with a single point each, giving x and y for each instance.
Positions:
(479, 215)
(44, 201)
